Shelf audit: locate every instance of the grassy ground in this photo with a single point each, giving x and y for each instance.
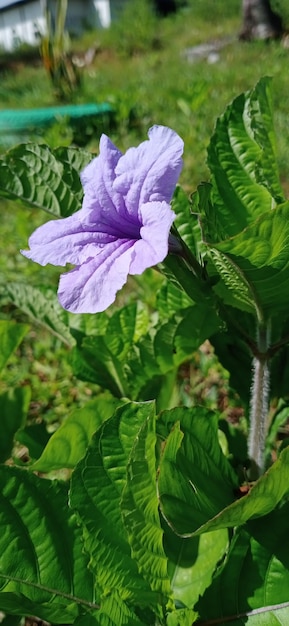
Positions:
(142, 69)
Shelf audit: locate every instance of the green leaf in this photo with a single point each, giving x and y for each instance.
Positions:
(139, 506)
(102, 359)
(43, 570)
(198, 324)
(14, 406)
(171, 300)
(261, 258)
(192, 563)
(177, 339)
(97, 485)
(245, 225)
(116, 612)
(44, 178)
(195, 479)
(142, 370)
(235, 356)
(177, 272)
(242, 160)
(262, 498)
(182, 617)
(279, 420)
(34, 437)
(70, 441)
(41, 305)
(254, 578)
(11, 335)
(94, 361)
(135, 356)
(125, 327)
(186, 222)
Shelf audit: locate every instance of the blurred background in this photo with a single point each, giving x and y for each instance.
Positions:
(173, 62)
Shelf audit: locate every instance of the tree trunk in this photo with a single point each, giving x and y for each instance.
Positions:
(259, 21)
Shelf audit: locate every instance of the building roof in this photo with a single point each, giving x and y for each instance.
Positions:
(4, 4)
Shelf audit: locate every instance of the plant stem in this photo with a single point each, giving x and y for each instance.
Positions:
(259, 404)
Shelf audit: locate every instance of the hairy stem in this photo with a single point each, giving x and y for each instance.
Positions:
(259, 404)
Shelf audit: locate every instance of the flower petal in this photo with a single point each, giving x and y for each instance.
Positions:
(150, 171)
(92, 287)
(97, 180)
(152, 248)
(65, 241)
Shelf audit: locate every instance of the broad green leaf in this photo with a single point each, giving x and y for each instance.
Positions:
(34, 437)
(260, 255)
(70, 441)
(14, 405)
(43, 570)
(41, 305)
(102, 358)
(235, 356)
(198, 324)
(186, 222)
(126, 327)
(140, 510)
(171, 300)
(88, 324)
(183, 277)
(242, 160)
(236, 440)
(260, 110)
(254, 578)
(279, 420)
(136, 356)
(245, 225)
(44, 178)
(195, 479)
(164, 346)
(263, 497)
(142, 370)
(113, 612)
(97, 485)
(95, 362)
(116, 612)
(177, 339)
(11, 335)
(182, 617)
(192, 562)
(201, 205)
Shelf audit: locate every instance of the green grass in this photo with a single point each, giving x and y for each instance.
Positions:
(154, 85)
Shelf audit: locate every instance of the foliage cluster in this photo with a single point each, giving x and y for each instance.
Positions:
(136, 510)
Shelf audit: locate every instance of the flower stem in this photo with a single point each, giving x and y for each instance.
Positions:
(259, 404)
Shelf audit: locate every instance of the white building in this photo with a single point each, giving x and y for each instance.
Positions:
(22, 21)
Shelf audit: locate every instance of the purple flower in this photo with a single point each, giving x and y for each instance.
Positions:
(124, 223)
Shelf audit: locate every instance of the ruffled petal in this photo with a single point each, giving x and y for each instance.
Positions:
(100, 197)
(150, 171)
(63, 241)
(152, 248)
(92, 287)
